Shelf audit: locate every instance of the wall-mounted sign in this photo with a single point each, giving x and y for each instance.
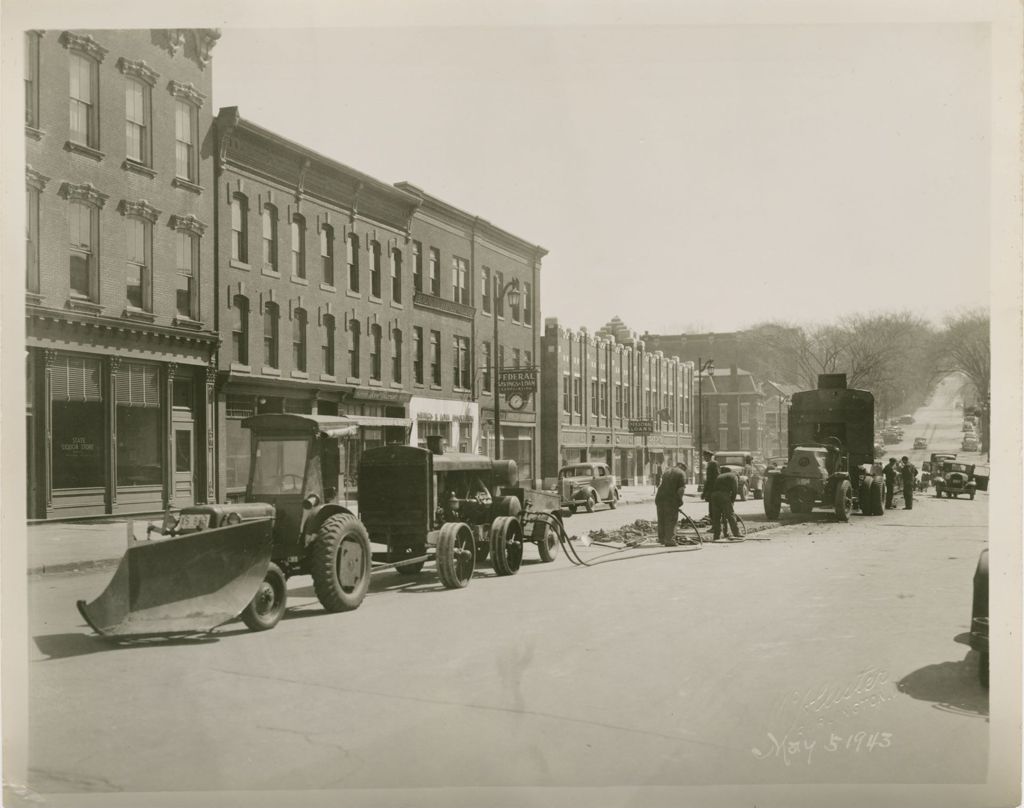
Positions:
(641, 426)
(517, 380)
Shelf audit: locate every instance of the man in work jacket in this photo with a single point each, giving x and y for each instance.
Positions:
(723, 494)
(667, 501)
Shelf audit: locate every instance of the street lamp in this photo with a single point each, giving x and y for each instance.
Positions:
(782, 400)
(708, 366)
(512, 289)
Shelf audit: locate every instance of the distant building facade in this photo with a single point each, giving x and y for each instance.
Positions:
(120, 322)
(733, 413)
(342, 294)
(777, 398)
(594, 385)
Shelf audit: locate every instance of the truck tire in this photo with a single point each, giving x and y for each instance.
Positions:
(456, 555)
(877, 498)
(773, 502)
(614, 500)
(864, 496)
(844, 501)
(268, 605)
(547, 540)
(506, 545)
(340, 563)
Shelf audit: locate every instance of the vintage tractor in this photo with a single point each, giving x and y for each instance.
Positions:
(422, 504)
(831, 454)
(210, 563)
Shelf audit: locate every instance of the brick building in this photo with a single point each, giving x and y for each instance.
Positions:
(733, 411)
(342, 294)
(119, 271)
(593, 385)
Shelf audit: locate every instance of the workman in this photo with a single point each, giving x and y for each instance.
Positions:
(908, 471)
(710, 472)
(723, 494)
(668, 500)
(890, 482)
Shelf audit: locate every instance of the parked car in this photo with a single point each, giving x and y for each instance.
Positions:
(583, 485)
(969, 443)
(891, 436)
(905, 419)
(956, 479)
(737, 461)
(920, 443)
(979, 617)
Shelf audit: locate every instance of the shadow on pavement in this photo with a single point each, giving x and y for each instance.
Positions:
(62, 646)
(950, 686)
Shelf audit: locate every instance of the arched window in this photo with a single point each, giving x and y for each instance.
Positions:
(299, 340)
(396, 355)
(353, 348)
(328, 346)
(375, 345)
(271, 316)
(396, 275)
(239, 228)
(327, 253)
(240, 330)
(353, 262)
(298, 239)
(375, 269)
(270, 236)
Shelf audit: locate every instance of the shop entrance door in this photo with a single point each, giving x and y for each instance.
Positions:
(184, 465)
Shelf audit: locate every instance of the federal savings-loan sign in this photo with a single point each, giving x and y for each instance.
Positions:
(517, 380)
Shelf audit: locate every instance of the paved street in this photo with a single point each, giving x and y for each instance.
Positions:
(815, 652)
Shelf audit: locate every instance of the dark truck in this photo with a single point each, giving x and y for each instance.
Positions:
(831, 454)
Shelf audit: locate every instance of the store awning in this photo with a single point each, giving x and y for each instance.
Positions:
(379, 420)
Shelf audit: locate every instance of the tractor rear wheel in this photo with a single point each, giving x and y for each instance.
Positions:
(547, 540)
(341, 563)
(844, 501)
(506, 545)
(772, 502)
(268, 605)
(456, 555)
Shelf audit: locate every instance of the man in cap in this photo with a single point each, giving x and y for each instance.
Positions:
(908, 471)
(889, 473)
(724, 490)
(710, 473)
(667, 501)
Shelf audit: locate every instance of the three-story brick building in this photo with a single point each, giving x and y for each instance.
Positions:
(120, 326)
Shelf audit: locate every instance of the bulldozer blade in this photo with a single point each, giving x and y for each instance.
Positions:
(183, 585)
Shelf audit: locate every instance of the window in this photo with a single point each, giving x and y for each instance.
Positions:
(723, 413)
(187, 250)
(136, 105)
(723, 439)
(32, 239)
(299, 321)
(517, 309)
(745, 438)
(604, 399)
(327, 363)
(84, 121)
(527, 359)
(485, 288)
(270, 236)
(396, 275)
(353, 348)
(527, 305)
(417, 354)
(375, 340)
(185, 164)
(139, 429)
(417, 266)
(577, 395)
(566, 394)
(595, 401)
(499, 299)
(396, 355)
(460, 279)
(618, 400)
(240, 330)
(298, 239)
(352, 247)
(515, 358)
(744, 414)
(486, 382)
(77, 411)
(240, 228)
(82, 226)
(271, 316)
(375, 269)
(327, 254)
(435, 357)
(435, 271)
(460, 358)
(32, 79)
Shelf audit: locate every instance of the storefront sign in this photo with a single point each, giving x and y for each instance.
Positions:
(517, 380)
(365, 394)
(641, 426)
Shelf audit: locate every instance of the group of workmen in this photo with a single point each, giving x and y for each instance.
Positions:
(721, 488)
(720, 491)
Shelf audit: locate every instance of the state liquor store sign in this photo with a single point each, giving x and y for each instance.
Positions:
(517, 380)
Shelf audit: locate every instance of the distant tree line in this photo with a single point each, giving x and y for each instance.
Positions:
(897, 356)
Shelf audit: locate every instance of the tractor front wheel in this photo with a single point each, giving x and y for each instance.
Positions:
(772, 502)
(341, 563)
(547, 540)
(506, 545)
(456, 554)
(844, 501)
(268, 605)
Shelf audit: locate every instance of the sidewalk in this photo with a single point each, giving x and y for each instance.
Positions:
(97, 543)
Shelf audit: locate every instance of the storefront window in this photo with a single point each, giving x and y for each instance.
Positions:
(517, 444)
(426, 428)
(138, 427)
(236, 461)
(77, 423)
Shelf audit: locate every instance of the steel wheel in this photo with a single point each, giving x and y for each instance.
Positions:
(547, 540)
(456, 555)
(506, 545)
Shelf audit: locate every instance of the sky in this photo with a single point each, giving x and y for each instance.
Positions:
(682, 177)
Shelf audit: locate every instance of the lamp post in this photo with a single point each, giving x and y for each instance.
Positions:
(512, 289)
(702, 366)
(782, 400)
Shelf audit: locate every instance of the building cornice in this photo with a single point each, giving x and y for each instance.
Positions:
(84, 44)
(84, 192)
(113, 325)
(186, 91)
(138, 70)
(188, 223)
(142, 209)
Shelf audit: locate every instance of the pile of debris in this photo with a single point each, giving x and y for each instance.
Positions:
(635, 533)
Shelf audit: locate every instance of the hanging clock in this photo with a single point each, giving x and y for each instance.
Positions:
(516, 401)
